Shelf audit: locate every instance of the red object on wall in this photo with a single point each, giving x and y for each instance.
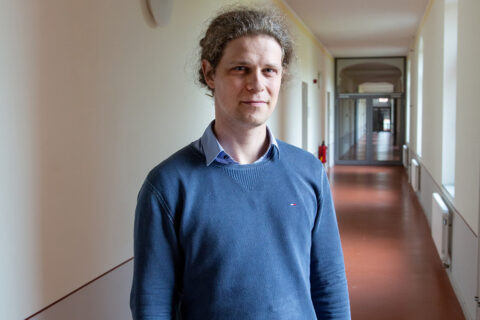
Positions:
(322, 152)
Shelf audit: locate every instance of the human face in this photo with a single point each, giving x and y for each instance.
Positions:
(246, 81)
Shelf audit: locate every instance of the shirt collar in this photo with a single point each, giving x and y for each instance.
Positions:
(212, 148)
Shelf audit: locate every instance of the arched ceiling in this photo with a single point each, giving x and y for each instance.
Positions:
(352, 76)
(372, 72)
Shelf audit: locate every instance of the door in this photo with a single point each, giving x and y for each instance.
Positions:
(352, 130)
(369, 129)
(304, 115)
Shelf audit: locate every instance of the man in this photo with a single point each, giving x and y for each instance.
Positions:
(238, 225)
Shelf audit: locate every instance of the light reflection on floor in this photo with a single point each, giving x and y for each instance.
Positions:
(382, 148)
(392, 267)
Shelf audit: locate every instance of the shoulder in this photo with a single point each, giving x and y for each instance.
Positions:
(306, 169)
(170, 179)
(179, 164)
(301, 162)
(295, 154)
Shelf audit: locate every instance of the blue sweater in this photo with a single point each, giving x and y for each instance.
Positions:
(242, 242)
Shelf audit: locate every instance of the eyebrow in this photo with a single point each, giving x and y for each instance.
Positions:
(269, 65)
(242, 62)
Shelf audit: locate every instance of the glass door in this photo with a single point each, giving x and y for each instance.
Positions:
(369, 129)
(352, 129)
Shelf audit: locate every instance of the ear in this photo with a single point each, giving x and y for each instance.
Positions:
(208, 74)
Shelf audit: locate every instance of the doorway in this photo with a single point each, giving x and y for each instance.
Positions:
(369, 129)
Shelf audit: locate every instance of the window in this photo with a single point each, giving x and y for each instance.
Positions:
(419, 96)
(449, 95)
(408, 93)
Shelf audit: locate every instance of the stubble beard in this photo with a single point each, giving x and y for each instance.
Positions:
(254, 119)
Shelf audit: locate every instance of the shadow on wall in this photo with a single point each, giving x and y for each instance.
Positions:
(79, 134)
(74, 149)
(100, 300)
(146, 13)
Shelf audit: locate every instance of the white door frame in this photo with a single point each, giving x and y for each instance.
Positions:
(478, 255)
(304, 115)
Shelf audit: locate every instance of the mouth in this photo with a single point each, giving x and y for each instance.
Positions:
(255, 103)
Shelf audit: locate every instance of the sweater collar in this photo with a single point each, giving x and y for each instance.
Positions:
(213, 150)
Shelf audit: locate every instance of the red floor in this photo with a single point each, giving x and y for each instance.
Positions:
(392, 267)
(382, 148)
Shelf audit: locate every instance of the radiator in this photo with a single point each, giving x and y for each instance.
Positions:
(405, 156)
(415, 175)
(440, 227)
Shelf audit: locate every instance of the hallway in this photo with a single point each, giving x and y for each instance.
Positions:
(93, 98)
(392, 267)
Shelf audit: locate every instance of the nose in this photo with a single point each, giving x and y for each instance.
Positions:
(255, 81)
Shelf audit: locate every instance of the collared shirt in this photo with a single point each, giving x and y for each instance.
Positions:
(209, 145)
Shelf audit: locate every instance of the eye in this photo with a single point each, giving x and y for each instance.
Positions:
(239, 68)
(270, 71)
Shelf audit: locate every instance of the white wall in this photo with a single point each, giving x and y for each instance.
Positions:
(330, 87)
(92, 96)
(467, 151)
(432, 34)
(465, 204)
(312, 59)
(18, 194)
(90, 100)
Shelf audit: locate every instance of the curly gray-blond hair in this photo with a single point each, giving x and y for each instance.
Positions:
(243, 21)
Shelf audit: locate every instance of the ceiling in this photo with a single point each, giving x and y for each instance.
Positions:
(362, 28)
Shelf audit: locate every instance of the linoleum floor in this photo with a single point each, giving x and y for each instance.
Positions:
(393, 269)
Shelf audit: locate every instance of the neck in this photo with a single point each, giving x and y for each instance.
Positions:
(244, 145)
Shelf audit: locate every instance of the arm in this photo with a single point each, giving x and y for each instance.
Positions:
(327, 271)
(155, 292)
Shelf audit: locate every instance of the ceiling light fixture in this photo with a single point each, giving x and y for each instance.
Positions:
(161, 10)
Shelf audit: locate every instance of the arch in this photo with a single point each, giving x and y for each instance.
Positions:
(351, 77)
